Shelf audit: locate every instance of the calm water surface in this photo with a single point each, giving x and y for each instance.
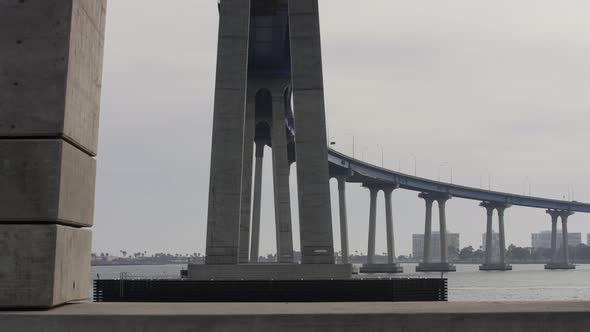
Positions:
(526, 282)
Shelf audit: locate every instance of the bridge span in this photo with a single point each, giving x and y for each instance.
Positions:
(348, 169)
(366, 173)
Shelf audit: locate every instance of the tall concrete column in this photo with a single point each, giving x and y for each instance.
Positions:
(489, 245)
(442, 202)
(489, 264)
(343, 220)
(246, 204)
(554, 219)
(255, 243)
(427, 265)
(315, 224)
(501, 211)
(372, 224)
(223, 219)
(557, 263)
(389, 226)
(51, 55)
(282, 195)
(427, 228)
(564, 233)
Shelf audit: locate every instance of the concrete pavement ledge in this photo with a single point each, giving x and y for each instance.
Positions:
(451, 316)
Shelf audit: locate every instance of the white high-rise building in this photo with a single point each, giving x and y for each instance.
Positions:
(418, 245)
(543, 239)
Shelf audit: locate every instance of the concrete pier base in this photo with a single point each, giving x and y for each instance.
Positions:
(381, 268)
(495, 267)
(269, 271)
(560, 266)
(436, 267)
(287, 317)
(42, 266)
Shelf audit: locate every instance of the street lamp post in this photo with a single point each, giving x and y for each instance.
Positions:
(450, 170)
(363, 153)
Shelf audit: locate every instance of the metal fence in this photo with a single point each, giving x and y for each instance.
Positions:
(355, 290)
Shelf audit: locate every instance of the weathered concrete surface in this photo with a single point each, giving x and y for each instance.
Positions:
(43, 265)
(315, 215)
(246, 203)
(223, 219)
(51, 67)
(337, 317)
(269, 271)
(46, 181)
(280, 163)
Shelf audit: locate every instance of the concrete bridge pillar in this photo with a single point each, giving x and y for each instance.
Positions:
(371, 266)
(442, 202)
(501, 211)
(489, 238)
(255, 241)
(343, 218)
(564, 233)
(489, 264)
(427, 265)
(554, 219)
(315, 215)
(372, 224)
(280, 161)
(246, 203)
(51, 55)
(389, 226)
(427, 228)
(556, 263)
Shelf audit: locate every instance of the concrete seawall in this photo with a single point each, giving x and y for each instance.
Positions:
(460, 316)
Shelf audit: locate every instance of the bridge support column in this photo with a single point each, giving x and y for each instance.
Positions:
(372, 224)
(489, 230)
(391, 266)
(255, 242)
(427, 265)
(444, 256)
(554, 220)
(489, 264)
(51, 57)
(246, 204)
(223, 218)
(501, 211)
(556, 264)
(343, 218)
(282, 196)
(389, 226)
(313, 179)
(427, 229)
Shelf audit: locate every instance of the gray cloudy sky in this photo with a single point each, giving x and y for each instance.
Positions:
(496, 88)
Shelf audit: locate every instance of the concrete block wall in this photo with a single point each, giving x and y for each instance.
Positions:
(51, 55)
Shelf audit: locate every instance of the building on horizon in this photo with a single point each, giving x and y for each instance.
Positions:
(543, 239)
(495, 243)
(418, 245)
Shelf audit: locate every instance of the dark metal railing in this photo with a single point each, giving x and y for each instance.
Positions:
(354, 290)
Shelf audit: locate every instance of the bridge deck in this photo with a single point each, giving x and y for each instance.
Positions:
(372, 173)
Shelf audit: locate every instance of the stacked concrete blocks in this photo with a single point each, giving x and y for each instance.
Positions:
(50, 77)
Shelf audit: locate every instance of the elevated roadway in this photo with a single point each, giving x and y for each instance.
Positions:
(361, 171)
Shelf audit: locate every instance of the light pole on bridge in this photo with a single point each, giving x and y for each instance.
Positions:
(399, 162)
(450, 169)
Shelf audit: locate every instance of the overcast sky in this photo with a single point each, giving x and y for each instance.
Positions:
(492, 89)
